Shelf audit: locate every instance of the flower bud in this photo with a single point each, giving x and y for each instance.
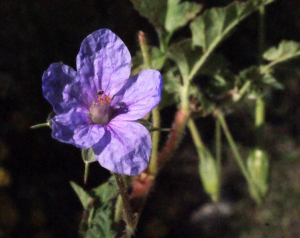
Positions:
(209, 174)
(258, 167)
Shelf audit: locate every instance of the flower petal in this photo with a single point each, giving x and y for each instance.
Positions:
(125, 148)
(75, 127)
(61, 89)
(106, 56)
(139, 96)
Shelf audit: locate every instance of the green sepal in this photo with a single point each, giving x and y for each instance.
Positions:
(88, 155)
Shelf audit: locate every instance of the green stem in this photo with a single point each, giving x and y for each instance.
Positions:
(238, 157)
(261, 33)
(196, 137)
(86, 172)
(155, 140)
(259, 121)
(260, 102)
(244, 89)
(232, 144)
(155, 111)
(145, 50)
(218, 148)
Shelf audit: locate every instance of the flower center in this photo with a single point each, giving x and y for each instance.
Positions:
(100, 110)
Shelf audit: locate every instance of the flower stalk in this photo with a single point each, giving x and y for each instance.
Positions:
(208, 167)
(253, 189)
(128, 215)
(155, 111)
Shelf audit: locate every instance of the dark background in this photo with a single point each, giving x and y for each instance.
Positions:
(35, 197)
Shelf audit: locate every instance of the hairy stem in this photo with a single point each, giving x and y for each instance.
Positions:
(180, 122)
(128, 215)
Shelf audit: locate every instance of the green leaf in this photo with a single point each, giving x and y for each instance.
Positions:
(177, 54)
(209, 29)
(178, 14)
(285, 51)
(158, 58)
(153, 10)
(99, 219)
(103, 223)
(84, 197)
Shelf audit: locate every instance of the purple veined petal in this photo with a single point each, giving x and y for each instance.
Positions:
(125, 148)
(61, 88)
(107, 56)
(75, 127)
(139, 96)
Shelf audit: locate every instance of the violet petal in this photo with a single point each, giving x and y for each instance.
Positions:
(125, 148)
(139, 95)
(60, 88)
(76, 128)
(108, 56)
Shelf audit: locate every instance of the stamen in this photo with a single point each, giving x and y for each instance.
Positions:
(104, 99)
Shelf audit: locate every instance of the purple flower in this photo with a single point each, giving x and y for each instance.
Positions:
(98, 105)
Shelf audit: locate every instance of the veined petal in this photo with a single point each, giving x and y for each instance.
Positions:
(125, 148)
(75, 127)
(139, 95)
(60, 88)
(107, 55)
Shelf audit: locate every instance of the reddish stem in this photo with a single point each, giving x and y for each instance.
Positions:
(180, 122)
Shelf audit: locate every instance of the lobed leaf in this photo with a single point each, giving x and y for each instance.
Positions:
(167, 16)
(153, 10)
(99, 217)
(215, 24)
(179, 14)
